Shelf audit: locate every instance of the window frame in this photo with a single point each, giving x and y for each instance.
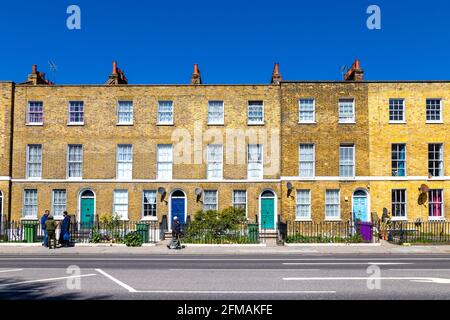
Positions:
(217, 199)
(353, 147)
(297, 204)
(328, 218)
(313, 121)
(61, 215)
(124, 162)
(398, 161)
(403, 111)
(234, 204)
(68, 162)
(79, 123)
(115, 204)
(442, 203)
(28, 122)
(441, 111)
(441, 161)
(405, 204)
(168, 123)
(158, 163)
(313, 161)
(118, 112)
(256, 123)
(28, 161)
(29, 217)
(340, 118)
(261, 176)
(221, 122)
(208, 162)
(152, 217)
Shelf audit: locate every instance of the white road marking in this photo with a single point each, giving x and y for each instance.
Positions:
(46, 280)
(419, 269)
(12, 270)
(241, 270)
(218, 259)
(120, 283)
(345, 263)
(236, 292)
(415, 279)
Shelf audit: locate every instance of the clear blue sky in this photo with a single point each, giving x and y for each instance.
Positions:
(234, 41)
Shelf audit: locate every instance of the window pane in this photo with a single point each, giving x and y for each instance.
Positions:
(346, 110)
(255, 161)
(75, 161)
(399, 160)
(396, 110)
(434, 111)
(35, 112)
(346, 161)
(303, 204)
(210, 200)
(214, 158)
(124, 162)
(76, 112)
(332, 204)
(255, 112)
(149, 203)
(399, 203)
(436, 160)
(121, 203)
(306, 160)
(164, 162)
(30, 203)
(436, 203)
(125, 112)
(34, 161)
(215, 112)
(59, 202)
(240, 199)
(165, 112)
(306, 110)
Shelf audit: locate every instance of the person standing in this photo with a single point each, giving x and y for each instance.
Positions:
(50, 228)
(64, 237)
(176, 234)
(43, 221)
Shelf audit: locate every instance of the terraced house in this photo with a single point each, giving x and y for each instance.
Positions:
(290, 150)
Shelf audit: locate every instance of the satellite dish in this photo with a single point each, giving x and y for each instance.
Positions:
(198, 192)
(424, 188)
(290, 186)
(423, 198)
(385, 211)
(161, 191)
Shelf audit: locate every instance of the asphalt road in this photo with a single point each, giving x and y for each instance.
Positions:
(223, 277)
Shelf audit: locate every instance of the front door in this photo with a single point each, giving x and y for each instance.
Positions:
(178, 209)
(360, 207)
(267, 213)
(87, 212)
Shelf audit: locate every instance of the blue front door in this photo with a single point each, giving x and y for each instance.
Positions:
(360, 208)
(178, 209)
(268, 213)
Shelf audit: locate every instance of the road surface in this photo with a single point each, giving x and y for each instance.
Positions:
(235, 277)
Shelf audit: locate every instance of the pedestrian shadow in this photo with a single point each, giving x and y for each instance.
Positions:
(13, 289)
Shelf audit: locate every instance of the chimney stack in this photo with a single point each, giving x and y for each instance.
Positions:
(196, 76)
(117, 76)
(276, 75)
(36, 77)
(355, 73)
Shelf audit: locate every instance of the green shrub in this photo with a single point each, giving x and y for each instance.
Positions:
(96, 237)
(133, 239)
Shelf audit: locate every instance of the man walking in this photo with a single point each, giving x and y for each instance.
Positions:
(176, 233)
(43, 221)
(64, 237)
(50, 228)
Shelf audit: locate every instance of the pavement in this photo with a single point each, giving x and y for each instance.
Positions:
(161, 248)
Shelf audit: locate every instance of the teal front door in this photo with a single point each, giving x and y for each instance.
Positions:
(87, 212)
(360, 208)
(267, 213)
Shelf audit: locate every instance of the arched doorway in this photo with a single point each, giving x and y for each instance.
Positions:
(361, 207)
(177, 206)
(267, 209)
(87, 208)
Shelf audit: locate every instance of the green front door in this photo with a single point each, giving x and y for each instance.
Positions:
(87, 212)
(267, 213)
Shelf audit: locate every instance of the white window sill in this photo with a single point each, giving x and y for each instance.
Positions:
(308, 178)
(303, 220)
(397, 122)
(75, 179)
(216, 124)
(400, 219)
(436, 219)
(333, 220)
(124, 124)
(29, 219)
(149, 219)
(165, 124)
(347, 122)
(40, 124)
(256, 123)
(78, 124)
(34, 179)
(435, 122)
(307, 122)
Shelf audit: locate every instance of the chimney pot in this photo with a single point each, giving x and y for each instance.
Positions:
(196, 76)
(34, 69)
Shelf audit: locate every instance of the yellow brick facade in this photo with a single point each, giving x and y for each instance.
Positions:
(371, 135)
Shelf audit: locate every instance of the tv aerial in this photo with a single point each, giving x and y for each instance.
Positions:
(53, 69)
